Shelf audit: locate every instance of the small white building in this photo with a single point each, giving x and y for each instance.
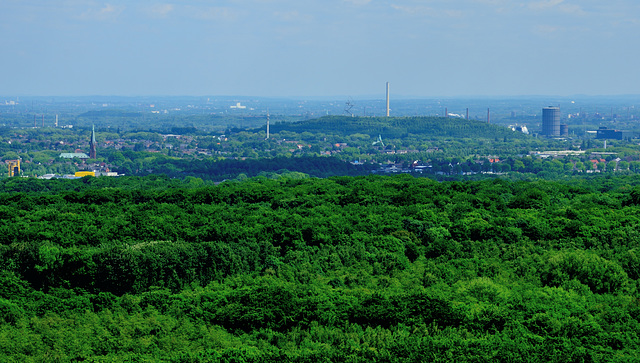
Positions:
(74, 155)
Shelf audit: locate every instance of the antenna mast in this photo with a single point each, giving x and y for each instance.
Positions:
(348, 106)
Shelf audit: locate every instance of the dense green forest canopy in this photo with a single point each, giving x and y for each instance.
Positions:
(396, 127)
(344, 269)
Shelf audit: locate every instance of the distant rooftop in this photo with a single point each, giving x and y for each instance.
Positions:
(74, 155)
(558, 152)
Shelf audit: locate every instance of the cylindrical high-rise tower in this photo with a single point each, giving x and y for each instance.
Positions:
(564, 130)
(551, 121)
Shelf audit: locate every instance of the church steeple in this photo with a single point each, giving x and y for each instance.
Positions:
(92, 143)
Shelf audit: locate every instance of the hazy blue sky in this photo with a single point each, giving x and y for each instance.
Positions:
(299, 48)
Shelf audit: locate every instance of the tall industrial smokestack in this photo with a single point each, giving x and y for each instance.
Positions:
(387, 99)
(467, 113)
(267, 124)
(488, 116)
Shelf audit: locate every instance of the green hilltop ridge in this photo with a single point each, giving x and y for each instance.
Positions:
(97, 114)
(400, 126)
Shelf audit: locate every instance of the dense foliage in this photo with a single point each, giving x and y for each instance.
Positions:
(210, 169)
(399, 127)
(365, 269)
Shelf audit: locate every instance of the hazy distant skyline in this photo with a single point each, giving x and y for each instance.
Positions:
(285, 48)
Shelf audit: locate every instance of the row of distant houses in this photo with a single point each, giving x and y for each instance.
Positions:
(78, 175)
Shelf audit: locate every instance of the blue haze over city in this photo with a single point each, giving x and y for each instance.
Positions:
(314, 58)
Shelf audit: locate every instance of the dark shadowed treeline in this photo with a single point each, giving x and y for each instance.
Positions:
(213, 169)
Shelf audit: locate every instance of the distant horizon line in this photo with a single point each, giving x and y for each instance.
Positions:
(326, 98)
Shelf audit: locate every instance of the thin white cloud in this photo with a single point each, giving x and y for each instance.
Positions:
(544, 4)
(358, 2)
(106, 12)
(559, 5)
(453, 13)
(545, 29)
(420, 10)
(497, 2)
(500, 4)
(572, 9)
(213, 13)
(507, 6)
(160, 10)
(414, 10)
(632, 21)
(292, 16)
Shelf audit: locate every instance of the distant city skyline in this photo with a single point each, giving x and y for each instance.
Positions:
(285, 48)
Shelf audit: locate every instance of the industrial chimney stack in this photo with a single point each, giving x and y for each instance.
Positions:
(387, 99)
(267, 124)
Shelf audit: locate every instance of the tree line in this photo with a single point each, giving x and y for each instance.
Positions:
(352, 269)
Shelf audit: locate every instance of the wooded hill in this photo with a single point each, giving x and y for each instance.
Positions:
(398, 127)
(364, 269)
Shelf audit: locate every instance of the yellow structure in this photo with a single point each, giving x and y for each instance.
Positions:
(80, 174)
(14, 167)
